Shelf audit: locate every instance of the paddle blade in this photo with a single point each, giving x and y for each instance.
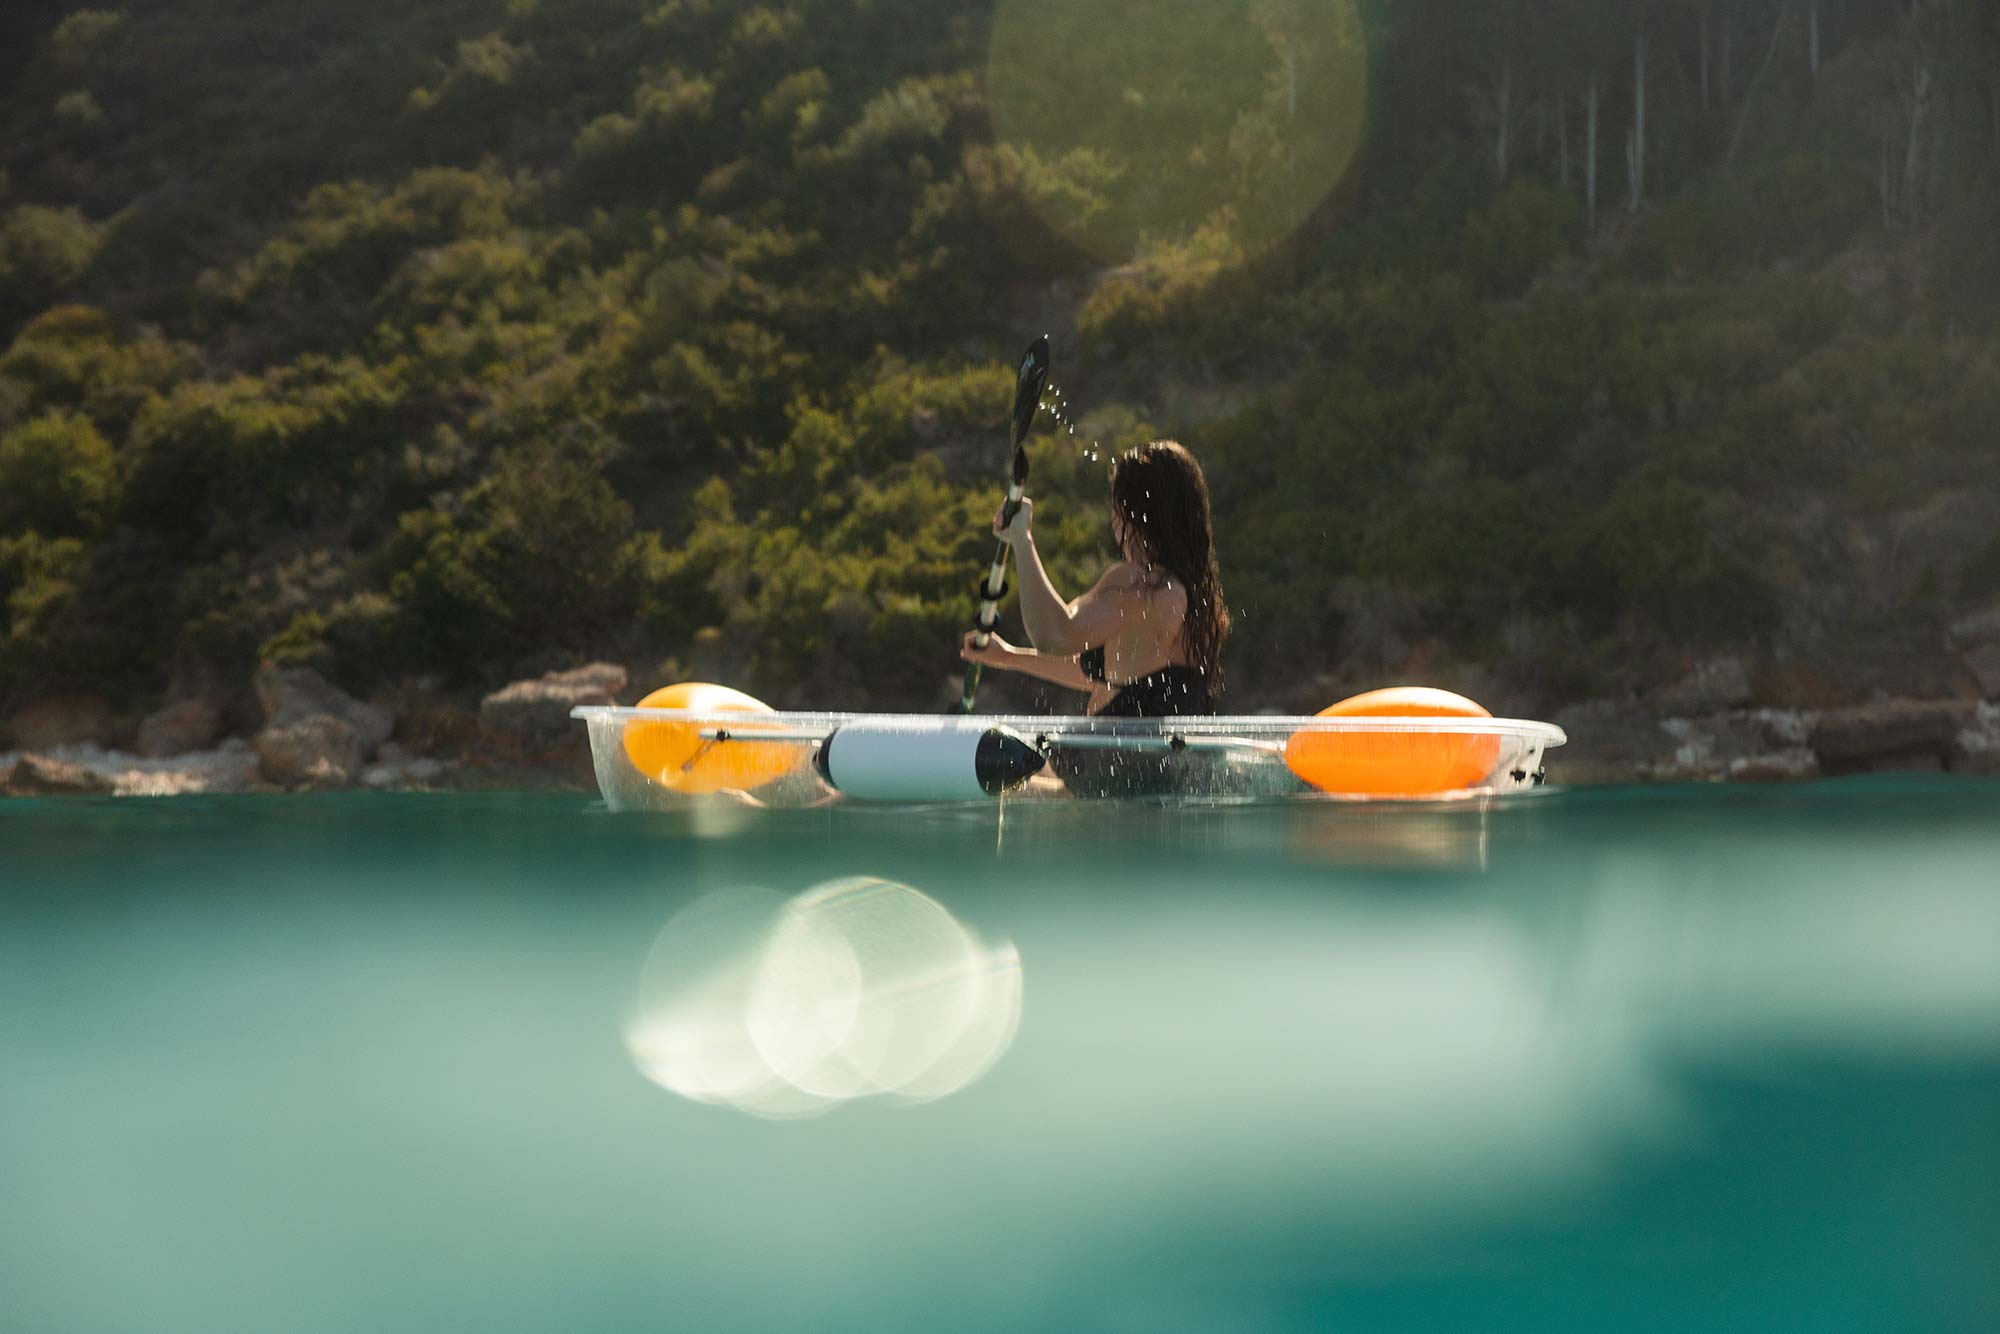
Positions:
(1028, 386)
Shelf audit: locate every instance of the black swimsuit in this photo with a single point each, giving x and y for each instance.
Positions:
(1172, 691)
(1169, 692)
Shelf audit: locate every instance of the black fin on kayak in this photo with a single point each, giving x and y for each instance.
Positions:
(1005, 760)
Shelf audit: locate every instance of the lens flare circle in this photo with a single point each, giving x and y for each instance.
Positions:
(858, 987)
(688, 1032)
(1129, 125)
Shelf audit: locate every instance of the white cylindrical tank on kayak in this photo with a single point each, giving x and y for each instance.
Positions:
(925, 759)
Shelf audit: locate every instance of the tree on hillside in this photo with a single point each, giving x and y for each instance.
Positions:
(1589, 36)
(1779, 25)
(1496, 98)
(1638, 15)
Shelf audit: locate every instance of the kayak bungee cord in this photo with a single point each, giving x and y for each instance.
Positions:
(1033, 376)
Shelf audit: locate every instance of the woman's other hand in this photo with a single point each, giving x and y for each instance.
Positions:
(995, 654)
(1017, 531)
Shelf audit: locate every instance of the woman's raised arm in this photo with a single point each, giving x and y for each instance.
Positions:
(1055, 626)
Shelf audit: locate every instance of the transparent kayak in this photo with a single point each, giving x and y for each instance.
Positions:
(649, 759)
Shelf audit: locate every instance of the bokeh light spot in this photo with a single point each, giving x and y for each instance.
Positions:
(1131, 123)
(788, 1007)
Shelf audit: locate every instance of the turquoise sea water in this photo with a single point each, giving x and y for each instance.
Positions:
(1647, 1059)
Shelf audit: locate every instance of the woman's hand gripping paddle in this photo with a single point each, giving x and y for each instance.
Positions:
(1028, 386)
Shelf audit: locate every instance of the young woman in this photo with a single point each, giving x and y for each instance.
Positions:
(1146, 640)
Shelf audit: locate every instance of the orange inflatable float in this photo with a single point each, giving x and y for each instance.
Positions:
(1395, 764)
(676, 755)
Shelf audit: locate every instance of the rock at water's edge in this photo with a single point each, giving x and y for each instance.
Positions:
(537, 711)
(527, 726)
(1610, 741)
(1778, 766)
(396, 767)
(1721, 683)
(1981, 627)
(42, 776)
(1976, 749)
(1984, 664)
(293, 694)
(230, 767)
(403, 772)
(1755, 745)
(188, 725)
(1892, 735)
(315, 751)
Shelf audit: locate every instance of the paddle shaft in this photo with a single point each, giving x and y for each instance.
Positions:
(990, 595)
(1028, 384)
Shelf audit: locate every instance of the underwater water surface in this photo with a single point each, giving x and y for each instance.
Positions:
(1649, 1059)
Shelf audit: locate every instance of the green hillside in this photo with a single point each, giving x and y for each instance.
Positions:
(481, 337)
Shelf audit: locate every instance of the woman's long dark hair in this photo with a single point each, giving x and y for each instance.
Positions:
(1160, 491)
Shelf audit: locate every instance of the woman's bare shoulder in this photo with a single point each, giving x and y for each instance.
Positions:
(1135, 585)
(1120, 577)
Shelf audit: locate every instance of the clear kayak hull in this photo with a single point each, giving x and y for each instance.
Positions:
(648, 759)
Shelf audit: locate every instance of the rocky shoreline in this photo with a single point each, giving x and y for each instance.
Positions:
(1711, 726)
(1617, 742)
(311, 736)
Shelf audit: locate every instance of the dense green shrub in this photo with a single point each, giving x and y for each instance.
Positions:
(1694, 563)
(79, 34)
(39, 581)
(239, 463)
(1510, 242)
(1157, 299)
(1795, 208)
(536, 561)
(43, 253)
(57, 477)
(78, 358)
(314, 284)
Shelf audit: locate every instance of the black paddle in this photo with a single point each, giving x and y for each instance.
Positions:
(1028, 385)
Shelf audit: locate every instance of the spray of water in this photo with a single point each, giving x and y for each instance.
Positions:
(1057, 407)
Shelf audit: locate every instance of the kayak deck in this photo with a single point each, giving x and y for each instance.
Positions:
(770, 758)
